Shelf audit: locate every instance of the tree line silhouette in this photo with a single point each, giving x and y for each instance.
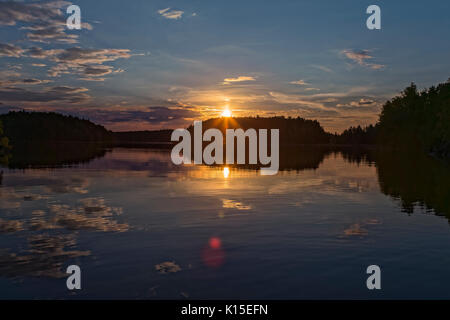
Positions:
(23, 126)
(420, 119)
(413, 118)
(4, 146)
(292, 130)
(356, 136)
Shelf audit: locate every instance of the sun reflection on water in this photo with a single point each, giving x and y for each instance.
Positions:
(226, 172)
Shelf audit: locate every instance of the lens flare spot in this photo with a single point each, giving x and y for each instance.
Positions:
(213, 255)
(215, 243)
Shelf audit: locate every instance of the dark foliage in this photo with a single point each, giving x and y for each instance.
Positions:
(412, 119)
(420, 119)
(292, 130)
(4, 146)
(50, 126)
(130, 137)
(357, 136)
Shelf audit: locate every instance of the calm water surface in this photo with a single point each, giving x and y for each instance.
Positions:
(140, 227)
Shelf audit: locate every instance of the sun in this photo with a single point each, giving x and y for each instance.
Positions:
(226, 113)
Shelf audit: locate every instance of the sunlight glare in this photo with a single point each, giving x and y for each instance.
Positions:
(226, 113)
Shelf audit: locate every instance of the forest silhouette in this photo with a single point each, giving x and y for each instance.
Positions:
(419, 119)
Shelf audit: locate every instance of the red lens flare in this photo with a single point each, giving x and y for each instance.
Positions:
(213, 255)
(215, 243)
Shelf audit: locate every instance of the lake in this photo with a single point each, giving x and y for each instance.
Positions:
(140, 227)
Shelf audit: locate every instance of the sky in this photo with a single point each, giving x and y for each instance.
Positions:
(147, 64)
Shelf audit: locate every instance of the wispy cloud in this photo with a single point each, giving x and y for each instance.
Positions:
(361, 57)
(28, 81)
(10, 50)
(12, 12)
(299, 82)
(168, 13)
(363, 102)
(323, 68)
(238, 79)
(87, 62)
(52, 94)
(45, 22)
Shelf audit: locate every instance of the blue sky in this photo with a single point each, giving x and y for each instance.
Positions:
(144, 64)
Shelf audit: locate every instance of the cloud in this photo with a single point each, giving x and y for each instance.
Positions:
(92, 79)
(152, 115)
(259, 99)
(97, 70)
(298, 82)
(39, 53)
(28, 81)
(5, 74)
(45, 22)
(358, 56)
(47, 32)
(52, 94)
(92, 73)
(80, 56)
(361, 57)
(12, 12)
(323, 68)
(10, 50)
(67, 90)
(297, 100)
(304, 83)
(238, 79)
(363, 102)
(376, 66)
(117, 117)
(88, 62)
(168, 13)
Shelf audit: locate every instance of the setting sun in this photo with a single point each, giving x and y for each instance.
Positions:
(226, 113)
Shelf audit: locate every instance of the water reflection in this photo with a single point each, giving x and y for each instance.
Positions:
(45, 257)
(418, 181)
(45, 209)
(56, 154)
(174, 227)
(226, 172)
